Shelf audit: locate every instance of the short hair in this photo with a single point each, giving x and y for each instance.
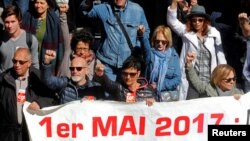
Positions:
(132, 62)
(28, 55)
(12, 10)
(166, 31)
(81, 35)
(219, 73)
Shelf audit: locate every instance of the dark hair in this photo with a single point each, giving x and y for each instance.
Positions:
(132, 62)
(81, 35)
(12, 10)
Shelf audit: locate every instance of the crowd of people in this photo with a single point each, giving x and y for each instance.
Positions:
(45, 62)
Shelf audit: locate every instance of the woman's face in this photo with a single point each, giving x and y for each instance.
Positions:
(82, 49)
(197, 22)
(160, 42)
(228, 83)
(41, 6)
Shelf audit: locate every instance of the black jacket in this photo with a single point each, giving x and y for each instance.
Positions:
(10, 130)
(120, 91)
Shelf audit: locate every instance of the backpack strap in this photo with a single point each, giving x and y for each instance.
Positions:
(29, 39)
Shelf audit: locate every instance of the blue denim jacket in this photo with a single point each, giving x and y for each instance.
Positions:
(114, 49)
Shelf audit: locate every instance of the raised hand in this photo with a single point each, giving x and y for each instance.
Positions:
(49, 56)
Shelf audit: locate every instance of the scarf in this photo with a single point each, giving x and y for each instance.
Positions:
(52, 37)
(160, 67)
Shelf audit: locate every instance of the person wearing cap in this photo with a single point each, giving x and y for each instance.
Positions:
(199, 37)
(245, 27)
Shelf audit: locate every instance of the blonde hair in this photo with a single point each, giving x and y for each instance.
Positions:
(220, 73)
(166, 33)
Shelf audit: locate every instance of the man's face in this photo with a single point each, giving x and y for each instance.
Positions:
(130, 76)
(78, 69)
(12, 25)
(21, 63)
(120, 3)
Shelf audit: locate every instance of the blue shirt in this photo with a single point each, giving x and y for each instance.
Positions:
(114, 49)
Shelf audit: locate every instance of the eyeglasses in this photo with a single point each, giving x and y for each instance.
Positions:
(77, 68)
(131, 74)
(82, 49)
(228, 80)
(194, 20)
(21, 62)
(163, 42)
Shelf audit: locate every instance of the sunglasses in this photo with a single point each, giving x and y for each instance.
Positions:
(77, 68)
(82, 49)
(194, 20)
(163, 42)
(21, 62)
(228, 80)
(131, 74)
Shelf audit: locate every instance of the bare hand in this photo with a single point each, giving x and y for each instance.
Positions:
(150, 101)
(49, 56)
(190, 57)
(140, 30)
(34, 106)
(237, 96)
(63, 7)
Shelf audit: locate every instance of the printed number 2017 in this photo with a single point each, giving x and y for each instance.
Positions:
(167, 122)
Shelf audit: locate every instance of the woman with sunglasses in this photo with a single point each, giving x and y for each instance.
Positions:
(200, 37)
(162, 64)
(222, 81)
(132, 88)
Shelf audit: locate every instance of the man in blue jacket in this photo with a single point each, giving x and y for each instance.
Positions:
(113, 49)
(74, 88)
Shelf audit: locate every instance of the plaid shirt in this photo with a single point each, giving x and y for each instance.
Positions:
(203, 61)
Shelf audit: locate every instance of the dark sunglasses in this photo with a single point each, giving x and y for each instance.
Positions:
(194, 20)
(131, 74)
(230, 79)
(77, 68)
(163, 42)
(21, 62)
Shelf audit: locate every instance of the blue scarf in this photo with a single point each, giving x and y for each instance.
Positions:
(160, 67)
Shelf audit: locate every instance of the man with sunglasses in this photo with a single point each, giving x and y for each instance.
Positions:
(19, 84)
(131, 88)
(77, 87)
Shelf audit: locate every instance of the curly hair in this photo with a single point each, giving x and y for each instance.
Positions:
(81, 35)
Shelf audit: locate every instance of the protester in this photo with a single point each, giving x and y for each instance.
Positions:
(81, 46)
(131, 88)
(77, 86)
(19, 84)
(199, 37)
(14, 37)
(162, 64)
(113, 49)
(42, 21)
(222, 81)
(245, 27)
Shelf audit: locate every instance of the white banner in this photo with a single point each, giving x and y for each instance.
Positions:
(119, 121)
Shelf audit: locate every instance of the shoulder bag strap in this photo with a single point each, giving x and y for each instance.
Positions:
(124, 31)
